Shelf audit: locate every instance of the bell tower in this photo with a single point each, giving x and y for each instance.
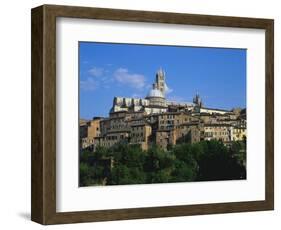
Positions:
(160, 81)
(197, 100)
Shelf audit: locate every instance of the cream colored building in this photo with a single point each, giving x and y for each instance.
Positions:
(112, 138)
(220, 132)
(239, 133)
(89, 130)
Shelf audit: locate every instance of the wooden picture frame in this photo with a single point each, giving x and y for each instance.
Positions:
(43, 208)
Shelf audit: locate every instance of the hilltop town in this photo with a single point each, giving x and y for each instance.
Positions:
(154, 120)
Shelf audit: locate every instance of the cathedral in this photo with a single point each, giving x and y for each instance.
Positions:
(155, 101)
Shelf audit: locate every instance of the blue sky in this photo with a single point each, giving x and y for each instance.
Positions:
(128, 70)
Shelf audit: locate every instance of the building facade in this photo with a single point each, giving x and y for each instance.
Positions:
(156, 120)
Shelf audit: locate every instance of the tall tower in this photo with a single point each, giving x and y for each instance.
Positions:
(197, 100)
(160, 81)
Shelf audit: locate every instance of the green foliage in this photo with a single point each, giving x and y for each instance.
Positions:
(91, 175)
(158, 165)
(94, 167)
(129, 164)
(220, 163)
(122, 174)
(184, 172)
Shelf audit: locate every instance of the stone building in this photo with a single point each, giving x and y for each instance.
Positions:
(140, 133)
(155, 101)
(190, 132)
(239, 133)
(156, 120)
(89, 130)
(220, 132)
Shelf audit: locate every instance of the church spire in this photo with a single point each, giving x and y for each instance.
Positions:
(197, 100)
(160, 80)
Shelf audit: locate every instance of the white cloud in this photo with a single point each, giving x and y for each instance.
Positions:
(89, 84)
(97, 77)
(167, 89)
(100, 77)
(96, 71)
(133, 80)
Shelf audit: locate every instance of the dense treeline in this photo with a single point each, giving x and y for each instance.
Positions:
(128, 164)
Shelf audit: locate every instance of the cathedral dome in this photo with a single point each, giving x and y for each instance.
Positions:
(155, 93)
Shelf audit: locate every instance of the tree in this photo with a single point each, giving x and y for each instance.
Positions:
(129, 164)
(90, 175)
(217, 163)
(183, 172)
(185, 164)
(94, 167)
(158, 165)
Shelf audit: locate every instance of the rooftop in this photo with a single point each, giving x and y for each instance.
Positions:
(155, 93)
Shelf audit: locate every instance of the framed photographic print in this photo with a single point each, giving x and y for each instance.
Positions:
(140, 114)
